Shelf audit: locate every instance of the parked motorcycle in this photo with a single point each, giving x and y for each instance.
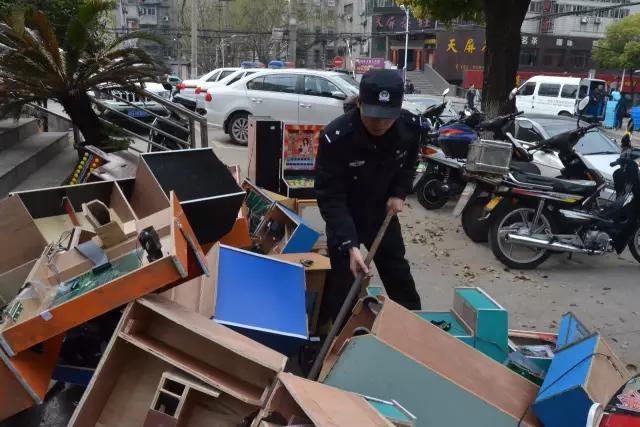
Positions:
(476, 199)
(444, 160)
(537, 216)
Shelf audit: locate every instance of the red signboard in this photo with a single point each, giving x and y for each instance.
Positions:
(474, 77)
(338, 61)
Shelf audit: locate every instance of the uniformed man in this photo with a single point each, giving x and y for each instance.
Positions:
(365, 166)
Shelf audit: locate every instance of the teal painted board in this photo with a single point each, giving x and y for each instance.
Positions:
(488, 320)
(391, 411)
(370, 367)
(457, 329)
(492, 334)
(477, 298)
(374, 291)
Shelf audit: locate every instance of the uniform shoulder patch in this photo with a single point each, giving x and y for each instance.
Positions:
(338, 129)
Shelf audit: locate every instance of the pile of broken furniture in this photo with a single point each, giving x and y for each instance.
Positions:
(217, 286)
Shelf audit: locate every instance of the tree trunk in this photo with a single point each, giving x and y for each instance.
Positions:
(502, 54)
(84, 117)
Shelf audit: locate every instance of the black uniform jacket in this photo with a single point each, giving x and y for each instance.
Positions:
(357, 173)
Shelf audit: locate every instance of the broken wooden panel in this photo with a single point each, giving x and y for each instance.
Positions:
(311, 403)
(156, 336)
(208, 192)
(25, 377)
(65, 289)
(282, 231)
(199, 293)
(431, 372)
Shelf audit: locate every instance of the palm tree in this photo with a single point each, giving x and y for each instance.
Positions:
(35, 68)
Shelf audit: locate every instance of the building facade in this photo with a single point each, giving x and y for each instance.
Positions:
(147, 15)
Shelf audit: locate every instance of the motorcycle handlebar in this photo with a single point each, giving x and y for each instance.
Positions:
(499, 121)
(569, 135)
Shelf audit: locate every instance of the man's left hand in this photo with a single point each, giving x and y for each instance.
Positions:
(395, 205)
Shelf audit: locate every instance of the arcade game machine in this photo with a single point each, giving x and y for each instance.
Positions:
(299, 150)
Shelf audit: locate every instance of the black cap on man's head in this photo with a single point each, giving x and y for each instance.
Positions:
(381, 93)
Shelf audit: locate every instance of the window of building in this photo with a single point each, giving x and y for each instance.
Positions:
(553, 58)
(579, 58)
(347, 10)
(151, 11)
(569, 91)
(528, 57)
(548, 89)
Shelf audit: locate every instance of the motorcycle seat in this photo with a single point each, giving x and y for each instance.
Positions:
(578, 186)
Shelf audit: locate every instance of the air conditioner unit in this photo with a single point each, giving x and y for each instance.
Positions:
(597, 20)
(584, 20)
(166, 19)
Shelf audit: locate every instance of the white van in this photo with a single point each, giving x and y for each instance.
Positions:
(552, 95)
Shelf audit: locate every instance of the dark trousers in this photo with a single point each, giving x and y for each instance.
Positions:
(392, 266)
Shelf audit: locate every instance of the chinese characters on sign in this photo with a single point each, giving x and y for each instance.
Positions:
(398, 22)
(469, 46)
(458, 51)
(365, 64)
(529, 40)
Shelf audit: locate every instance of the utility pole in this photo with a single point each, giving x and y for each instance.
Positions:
(406, 42)
(293, 32)
(194, 39)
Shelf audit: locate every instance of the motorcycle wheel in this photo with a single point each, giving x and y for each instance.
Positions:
(429, 192)
(634, 243)
(518, 220)
(476, 230)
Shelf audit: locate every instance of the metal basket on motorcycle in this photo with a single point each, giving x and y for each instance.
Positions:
(489, 156)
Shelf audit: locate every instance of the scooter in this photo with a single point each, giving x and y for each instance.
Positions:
(477, 197)
(444, 160)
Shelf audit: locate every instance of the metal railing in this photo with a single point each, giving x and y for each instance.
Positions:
(191, 117)
(62, 123)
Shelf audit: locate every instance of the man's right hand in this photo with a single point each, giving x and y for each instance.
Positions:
(356, 262)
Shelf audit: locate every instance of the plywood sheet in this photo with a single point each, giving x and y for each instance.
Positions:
(450, 357)
(26, 242)
(371, 367)
(90, 305)
(219, 334)
(198, 294)
(328, 406)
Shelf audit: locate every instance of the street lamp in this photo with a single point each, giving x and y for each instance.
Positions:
(406, 42)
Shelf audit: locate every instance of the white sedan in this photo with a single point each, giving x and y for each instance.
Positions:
(187, 88)
(295, 96)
